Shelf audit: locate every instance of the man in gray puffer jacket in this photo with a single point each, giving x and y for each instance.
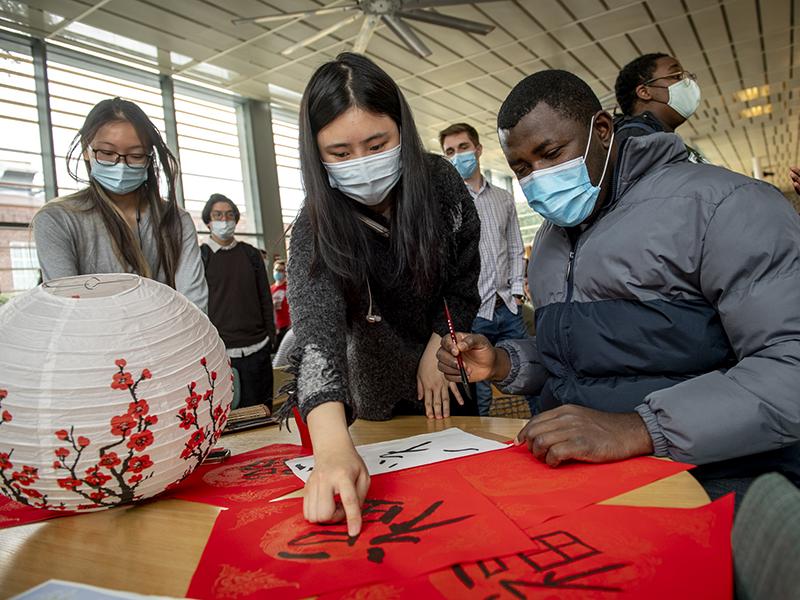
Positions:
(667, 298)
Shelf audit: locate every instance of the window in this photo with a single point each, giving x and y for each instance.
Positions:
(206, 120)
(24, 265)
(529, 221)
(211, 160)
(21, 172)
(285, 132)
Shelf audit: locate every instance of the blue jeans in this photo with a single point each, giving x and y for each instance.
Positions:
(505, 326)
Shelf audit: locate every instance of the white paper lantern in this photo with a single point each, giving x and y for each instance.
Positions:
(113, 387)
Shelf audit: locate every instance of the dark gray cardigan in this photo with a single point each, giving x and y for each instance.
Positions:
(371, 367)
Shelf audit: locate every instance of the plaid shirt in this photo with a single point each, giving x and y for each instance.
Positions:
(502, 254)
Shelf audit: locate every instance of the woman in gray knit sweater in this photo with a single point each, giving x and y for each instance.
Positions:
(387, 233)
(120, 222)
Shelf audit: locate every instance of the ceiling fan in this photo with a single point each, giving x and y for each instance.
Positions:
(393, 13)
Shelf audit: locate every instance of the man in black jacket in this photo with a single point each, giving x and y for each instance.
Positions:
(239, 300)
(655, 94)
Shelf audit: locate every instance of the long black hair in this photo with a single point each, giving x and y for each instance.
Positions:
(164, 215)
(340, 239)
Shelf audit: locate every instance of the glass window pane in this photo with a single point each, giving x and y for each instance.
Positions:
(285, 133)
(21, 172)
(211, 163)
(19, 266)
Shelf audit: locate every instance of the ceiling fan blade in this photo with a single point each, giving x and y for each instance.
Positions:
(404, 31)
(294, 15)
(365, 35)
(414, 4)
(320, 34)
(447, 21)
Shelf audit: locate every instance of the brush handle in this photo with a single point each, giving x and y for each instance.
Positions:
(461, 369)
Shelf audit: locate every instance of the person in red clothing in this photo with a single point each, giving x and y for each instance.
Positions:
(283, 322)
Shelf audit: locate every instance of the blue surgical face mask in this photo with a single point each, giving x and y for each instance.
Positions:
(278, 275)
(367, 180)
(223, 229)
(564, 194)
(118, 178)
(465, 163)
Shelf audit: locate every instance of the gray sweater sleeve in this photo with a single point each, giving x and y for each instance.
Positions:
(320, 328)
(751, 273)
(190, 278)
(56, 245)
(528, 374)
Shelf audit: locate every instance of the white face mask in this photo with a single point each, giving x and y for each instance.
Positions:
(369, 179)
(223, 229)
(684, 97)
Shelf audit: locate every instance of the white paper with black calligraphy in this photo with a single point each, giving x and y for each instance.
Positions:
(405, 453)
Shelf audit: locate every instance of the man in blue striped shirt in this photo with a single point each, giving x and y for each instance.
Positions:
(502, 254)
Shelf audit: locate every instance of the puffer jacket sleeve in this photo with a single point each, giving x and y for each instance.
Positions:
(527, 375)
(750, 272)
(317, 307)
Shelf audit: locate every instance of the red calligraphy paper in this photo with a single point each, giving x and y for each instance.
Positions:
(418, 588)
(530, 492)
(610, 552)
(256, 476)
(413, 524)
(599, 552)
(14, 513)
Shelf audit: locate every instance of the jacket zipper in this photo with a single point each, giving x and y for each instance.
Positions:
(562, 338)
(562, 341)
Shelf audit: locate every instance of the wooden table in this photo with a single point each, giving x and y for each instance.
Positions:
(154, 548)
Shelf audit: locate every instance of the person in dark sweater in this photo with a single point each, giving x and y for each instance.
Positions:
(239, 300)
(386, 235)
(655, 94)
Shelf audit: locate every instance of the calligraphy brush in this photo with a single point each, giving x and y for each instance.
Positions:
(461, 369)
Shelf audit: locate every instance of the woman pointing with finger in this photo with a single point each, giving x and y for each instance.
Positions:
(387, 233)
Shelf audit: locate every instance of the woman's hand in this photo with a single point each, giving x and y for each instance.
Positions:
(338, 471)
(431, 383)
(482, 361)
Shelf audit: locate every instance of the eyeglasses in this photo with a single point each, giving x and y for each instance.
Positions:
(228, 215)
(136, 160)
(677, 76)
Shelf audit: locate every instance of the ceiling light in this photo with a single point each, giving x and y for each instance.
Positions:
(752, 93)
(756, 111)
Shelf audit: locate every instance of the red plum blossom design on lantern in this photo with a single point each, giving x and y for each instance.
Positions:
(16, 480)
(201, 439)
(119, 469)
(124, 464)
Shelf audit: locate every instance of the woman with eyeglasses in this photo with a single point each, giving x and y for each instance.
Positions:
(120, 223)
(387, 233)
(655, 95)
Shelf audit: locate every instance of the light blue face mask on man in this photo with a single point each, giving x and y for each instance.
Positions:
(564, 194)
(118, 178)
(465, 163)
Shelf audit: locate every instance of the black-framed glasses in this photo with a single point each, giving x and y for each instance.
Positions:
(677, 76)
(135, 160)
(217, 215)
